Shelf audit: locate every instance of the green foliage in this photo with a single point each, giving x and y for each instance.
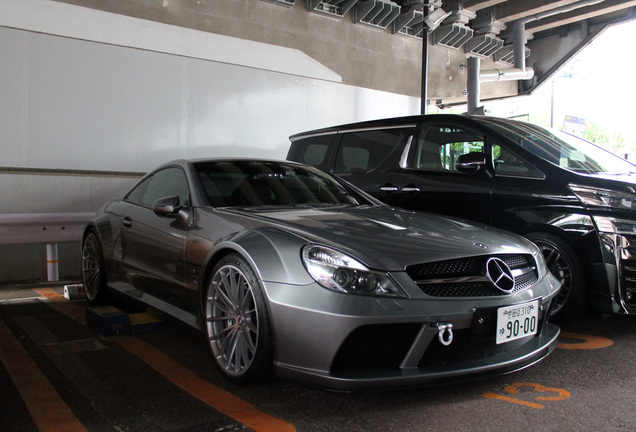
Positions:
(614, 140)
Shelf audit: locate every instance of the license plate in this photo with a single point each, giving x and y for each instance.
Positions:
(518, 321)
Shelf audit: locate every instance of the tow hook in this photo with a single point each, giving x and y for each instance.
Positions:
(444, 333)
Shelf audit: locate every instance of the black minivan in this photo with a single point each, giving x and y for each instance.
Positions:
(576, 201)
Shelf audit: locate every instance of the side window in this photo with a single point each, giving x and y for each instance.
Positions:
(508, 164)
(164, 183)
(312, 151)
(137, 193)
(361, 152)
(439, 147)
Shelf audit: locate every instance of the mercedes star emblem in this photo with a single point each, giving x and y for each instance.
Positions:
(500, 275)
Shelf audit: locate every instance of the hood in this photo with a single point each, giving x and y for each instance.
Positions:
(384, 238)
(627, 180)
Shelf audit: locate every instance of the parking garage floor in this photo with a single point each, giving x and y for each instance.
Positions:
(58, 374)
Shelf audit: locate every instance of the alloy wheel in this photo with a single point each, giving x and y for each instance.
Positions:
(232, 320)
(91, 267)
(560, 267)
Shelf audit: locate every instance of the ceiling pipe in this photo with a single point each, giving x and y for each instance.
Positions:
(519, 29)
(519, 40)
(559, 10)
(472, 85)
(520, 71)
(475, 77)
(493, 75)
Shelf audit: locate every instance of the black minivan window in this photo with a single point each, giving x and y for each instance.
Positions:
(363, 151)
(508, 164)
(312, 151)
(562, 149)
(439, 147)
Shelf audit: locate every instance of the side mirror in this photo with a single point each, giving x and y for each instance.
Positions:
(471, 163)
(167, 206)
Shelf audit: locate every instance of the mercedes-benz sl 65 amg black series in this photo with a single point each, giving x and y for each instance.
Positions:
(289, 271)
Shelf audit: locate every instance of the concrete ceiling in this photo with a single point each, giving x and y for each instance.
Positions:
(555, 30)
(507, 11)
(378, 55)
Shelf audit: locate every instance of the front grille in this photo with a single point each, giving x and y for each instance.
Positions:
(525, 280)
(459, 289)
(466, 277)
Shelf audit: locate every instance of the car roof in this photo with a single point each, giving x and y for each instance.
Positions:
(387, 122)
(185, 162)
(407, 120)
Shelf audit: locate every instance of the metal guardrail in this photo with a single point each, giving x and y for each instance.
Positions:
(43, 228)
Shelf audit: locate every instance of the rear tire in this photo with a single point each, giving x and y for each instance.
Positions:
(565, 265)
(237, 322)
(93, 270)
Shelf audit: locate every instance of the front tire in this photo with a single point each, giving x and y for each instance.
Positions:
(565, 265)
(94, 270)
(237, 322)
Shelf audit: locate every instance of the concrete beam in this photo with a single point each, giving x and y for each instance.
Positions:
(475, 5)
(516, 9)
(608, 6)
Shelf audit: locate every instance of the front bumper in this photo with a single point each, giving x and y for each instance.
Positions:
(528, 354)
(347, 342)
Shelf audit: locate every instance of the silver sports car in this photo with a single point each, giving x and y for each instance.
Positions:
(290, 271)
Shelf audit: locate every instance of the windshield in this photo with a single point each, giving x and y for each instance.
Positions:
(264, 183)
(562, 149)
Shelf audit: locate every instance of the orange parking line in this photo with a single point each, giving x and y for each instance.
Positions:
(48, 293)
(587, 341)
(47, 409)
(217, 398)
(59, 302)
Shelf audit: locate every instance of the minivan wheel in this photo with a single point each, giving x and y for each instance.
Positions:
(564, 264)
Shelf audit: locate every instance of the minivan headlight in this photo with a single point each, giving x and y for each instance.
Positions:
(603, 197)
(339, 272)
(615, 226)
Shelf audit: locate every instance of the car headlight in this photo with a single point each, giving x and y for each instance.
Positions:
(603, 197)
(339, 272)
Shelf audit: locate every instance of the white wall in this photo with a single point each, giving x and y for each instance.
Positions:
(69, 103)
(87, 90)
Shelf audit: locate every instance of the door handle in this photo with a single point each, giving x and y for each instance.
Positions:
(127, 222)
(389, 188)
(410, 189)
